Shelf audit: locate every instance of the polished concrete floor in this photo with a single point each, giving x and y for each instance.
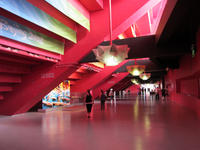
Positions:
(131, 124)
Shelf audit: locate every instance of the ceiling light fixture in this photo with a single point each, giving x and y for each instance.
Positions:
(134, 81)
(145, 76)
(112, 54)
(135, 69)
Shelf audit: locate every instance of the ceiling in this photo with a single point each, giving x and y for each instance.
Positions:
(163, 50)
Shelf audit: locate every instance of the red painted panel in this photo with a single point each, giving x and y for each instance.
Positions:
(89, 83)
(92, 5)
(167, 10)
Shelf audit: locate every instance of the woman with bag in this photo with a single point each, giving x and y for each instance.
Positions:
(88, 102)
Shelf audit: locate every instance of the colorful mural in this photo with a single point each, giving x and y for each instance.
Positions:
(24, 9)
(15, 31)
(68, 7)
(60, 96)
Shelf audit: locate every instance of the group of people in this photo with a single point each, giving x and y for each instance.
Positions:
(89, 102)
(157, 92)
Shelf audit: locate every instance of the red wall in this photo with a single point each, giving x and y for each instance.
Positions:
(134, 89)
(184, 83)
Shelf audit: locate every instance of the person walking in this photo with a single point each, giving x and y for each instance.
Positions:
(103, 99)
(89, 102)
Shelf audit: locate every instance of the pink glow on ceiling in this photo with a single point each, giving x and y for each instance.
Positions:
(148, 20)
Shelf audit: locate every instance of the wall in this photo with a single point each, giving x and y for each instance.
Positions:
(184, 83)
(134, 89)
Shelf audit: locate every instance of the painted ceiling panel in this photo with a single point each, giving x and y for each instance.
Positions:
(74, 10)
(31, 13)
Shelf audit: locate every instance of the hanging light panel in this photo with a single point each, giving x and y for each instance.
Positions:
(134, 81)
(145, 76)
(136, 70)
(111, 55)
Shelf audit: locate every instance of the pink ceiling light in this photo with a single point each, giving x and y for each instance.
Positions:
(112, 54)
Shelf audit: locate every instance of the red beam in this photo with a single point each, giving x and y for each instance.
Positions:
(168, 8)
(20, 60)
(121, 86)
(82, 70)
(109, 83)
(1, 97)
(118, 86)
(5, 88)
(97, 78)
(13, 68)
(26, 48)
(132, 18)
(75, 75)
(27, 54)
(126, 86)
(5, 78)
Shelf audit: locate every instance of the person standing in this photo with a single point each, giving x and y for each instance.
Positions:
(88, 102)
(103, 99)
(157, 93)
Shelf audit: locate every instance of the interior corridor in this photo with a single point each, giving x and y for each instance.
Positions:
(131, 124)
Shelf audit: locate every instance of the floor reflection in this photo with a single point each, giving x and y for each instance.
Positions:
(133, 123)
